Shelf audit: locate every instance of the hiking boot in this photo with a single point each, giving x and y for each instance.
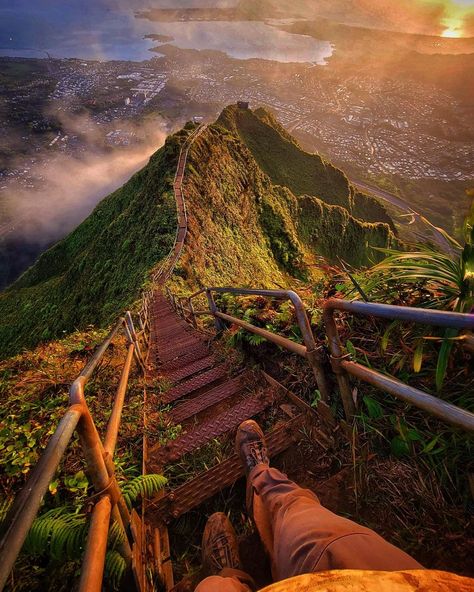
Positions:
(220, 548)
(250, 445)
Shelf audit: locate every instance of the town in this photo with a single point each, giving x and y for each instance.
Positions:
(370, 126)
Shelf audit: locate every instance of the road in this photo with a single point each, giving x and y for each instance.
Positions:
(432, 232)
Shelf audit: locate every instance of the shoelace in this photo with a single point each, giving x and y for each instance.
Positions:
(221, 552)
(256, 453)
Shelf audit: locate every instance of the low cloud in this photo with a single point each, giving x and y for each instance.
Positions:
(72, 185)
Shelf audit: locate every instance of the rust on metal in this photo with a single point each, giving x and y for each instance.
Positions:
(96, 547)
(198, 490)
(195, 383)
(208, 399)
(212, 428)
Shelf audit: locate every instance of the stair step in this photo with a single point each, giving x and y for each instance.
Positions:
(212, 428)
(216, 395)
(207, 484)
(188, 370)
(185, 359)
(173, 354)
(196, 382)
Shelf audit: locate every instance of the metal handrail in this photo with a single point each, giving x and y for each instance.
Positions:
(342, 364)
(310, 350)
(100, 467)
(169, 263)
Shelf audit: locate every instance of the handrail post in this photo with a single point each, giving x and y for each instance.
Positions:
(193, 316)
(131, 341)
(220, 326)
(337, 355)
(92, 572)
(131, 326)
(314, 353)
(94, 454)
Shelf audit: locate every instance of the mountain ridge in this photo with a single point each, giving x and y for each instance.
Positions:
(244, 226)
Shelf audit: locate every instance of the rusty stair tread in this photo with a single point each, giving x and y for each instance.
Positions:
(194, 383)
(207, 484)
(172, 355)
(215, 395)
(212, 428)
(188, 370)
(187, 358)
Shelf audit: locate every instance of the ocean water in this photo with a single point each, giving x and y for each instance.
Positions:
(108, 30)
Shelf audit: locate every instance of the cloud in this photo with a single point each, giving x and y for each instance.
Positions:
(71, 186)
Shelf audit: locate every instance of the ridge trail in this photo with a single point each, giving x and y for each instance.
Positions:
(206, 398)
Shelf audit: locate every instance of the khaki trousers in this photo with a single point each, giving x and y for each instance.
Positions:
(303, 537)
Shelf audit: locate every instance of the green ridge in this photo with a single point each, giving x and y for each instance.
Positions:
(252, 221)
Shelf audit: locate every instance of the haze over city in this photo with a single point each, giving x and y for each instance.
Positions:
(383, 90)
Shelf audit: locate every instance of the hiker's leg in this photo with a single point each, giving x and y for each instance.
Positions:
(229, 580)
(303, 536)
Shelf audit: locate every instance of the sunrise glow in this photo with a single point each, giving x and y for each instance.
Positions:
(453, 33)
(453, 28)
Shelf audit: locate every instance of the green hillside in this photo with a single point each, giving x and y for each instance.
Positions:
(98, 269)
(252, 220)
(279, 155)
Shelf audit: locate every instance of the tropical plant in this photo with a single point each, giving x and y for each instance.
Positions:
(60, 534)
(448, 275)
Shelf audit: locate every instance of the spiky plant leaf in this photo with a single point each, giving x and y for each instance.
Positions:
(142, 486)
(386, 335)
(443, 357)
(418, 356)
(114, 569)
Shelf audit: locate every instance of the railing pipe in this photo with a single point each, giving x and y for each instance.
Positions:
(342, 365)
(116, 415)
(445, 411)
(26, 506)
(191, 311)
(96, 358)
(287, 344)
(314, 354)
(133, 333)
(337, 354)
(94, 454)
(220, 326)
(92, 572)
(439, 318)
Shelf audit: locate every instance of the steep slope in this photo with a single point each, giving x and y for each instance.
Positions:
(261, 222)
(96, 271)
(279, 155)
(251, 221)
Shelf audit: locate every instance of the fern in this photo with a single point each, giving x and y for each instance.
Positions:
(5, 506)
(60, 533)
(114, 569)
(142, 486)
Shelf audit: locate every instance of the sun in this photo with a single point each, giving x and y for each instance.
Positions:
(453, 27)
(451, 33)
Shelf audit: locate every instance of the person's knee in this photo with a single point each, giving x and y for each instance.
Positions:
(222, 584)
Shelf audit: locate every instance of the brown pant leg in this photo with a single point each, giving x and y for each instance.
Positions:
(229, 580)
(305, 537)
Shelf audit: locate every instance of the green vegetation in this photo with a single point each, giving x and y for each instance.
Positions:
(34, 387)
(97, 271)
(448, 278)
(253, 227)
(250, 221)
(279, 155)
